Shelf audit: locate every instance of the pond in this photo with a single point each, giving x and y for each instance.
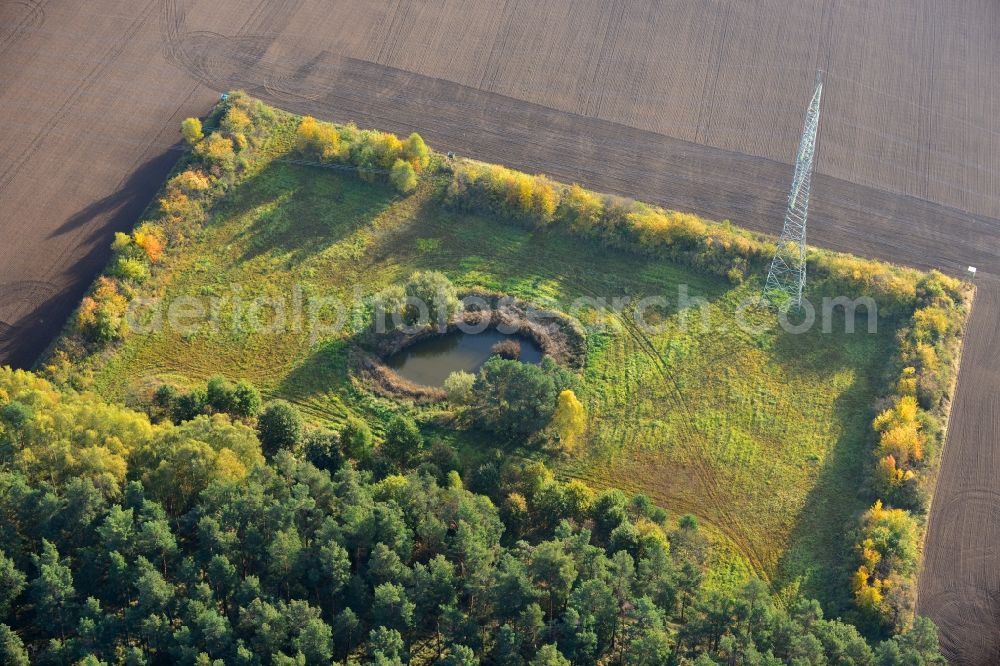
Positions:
(430, 361)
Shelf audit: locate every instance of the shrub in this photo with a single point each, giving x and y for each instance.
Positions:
(508, 349)
(656, 228)
(319, 140)
(217, 150)
(236, 121)
(887, 548)
(373, 151)
(279, 427)
(458, 387)
(127, 268)
(101, 317)
(436, 292)
(149, 238)
(492, 188)
(580, 209)
(416, 152)
(403, 177)
(189, 182)
(191, 130)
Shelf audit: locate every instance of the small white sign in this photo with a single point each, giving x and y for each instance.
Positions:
(972, 269)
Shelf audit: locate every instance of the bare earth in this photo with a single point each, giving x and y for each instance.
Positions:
(694, 105)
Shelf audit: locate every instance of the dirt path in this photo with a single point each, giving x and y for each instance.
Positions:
(693, 105)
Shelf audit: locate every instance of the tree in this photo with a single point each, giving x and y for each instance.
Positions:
(189, 405)
(279, 427)
(569, 421)
(553, 572)
(918, 646)
(191, 130)
(53, 589)
(385, 646)
(434, 291)
(460, 655)
(12, 652)
(182, 473)
(315, 642)
(403, 177)
(322, 448)
(356, 439)
(650, 644)
(403, 440)
(513, 398)
(12, 584)
(220, 394)
(549, 655)
(392, 607)
(319, 140)
(163, 401)
(246, 400)
(282, 556)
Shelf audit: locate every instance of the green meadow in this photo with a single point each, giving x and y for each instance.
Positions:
(761, 434)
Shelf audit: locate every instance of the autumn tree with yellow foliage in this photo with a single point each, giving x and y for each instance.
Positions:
(67, 435)
(416, 152)
(191, 131)
(569, 421)
(319, 140)
(888, 551)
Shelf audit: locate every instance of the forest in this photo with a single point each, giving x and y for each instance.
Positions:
(137, 542)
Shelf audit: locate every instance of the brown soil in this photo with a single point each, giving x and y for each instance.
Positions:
(960, 582)
(696, 106)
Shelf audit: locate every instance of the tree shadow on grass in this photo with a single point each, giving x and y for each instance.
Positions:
(298, 211)
(819, 550)
(323, 372)
(522, 262)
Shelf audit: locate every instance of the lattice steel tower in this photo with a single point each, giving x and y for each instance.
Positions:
(787, 277)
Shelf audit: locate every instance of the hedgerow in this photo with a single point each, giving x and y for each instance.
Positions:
(377, 156)
(716, 247)
(910, 432)
(216, 162)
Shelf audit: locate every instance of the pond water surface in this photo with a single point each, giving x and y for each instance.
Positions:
(430, 361)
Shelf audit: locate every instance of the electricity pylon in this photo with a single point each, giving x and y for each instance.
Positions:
(787, 276)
